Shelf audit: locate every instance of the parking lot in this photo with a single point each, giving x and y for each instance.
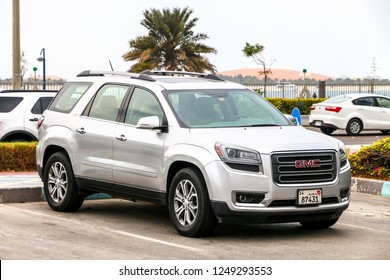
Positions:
(113, 229)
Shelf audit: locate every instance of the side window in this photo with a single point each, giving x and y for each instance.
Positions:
(143, 104)
(68, 97)
(41, 105)
(7, 104)
(365, 101)
(383, 102)
(107, 102)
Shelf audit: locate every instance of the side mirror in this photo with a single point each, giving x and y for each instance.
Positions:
(152, 123)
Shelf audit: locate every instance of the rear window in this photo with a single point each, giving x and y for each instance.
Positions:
(7, 103)
(41, 105)
(68, 97)
(338, 99)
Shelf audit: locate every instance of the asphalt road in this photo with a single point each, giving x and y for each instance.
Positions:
(364, 138)
(114, 229)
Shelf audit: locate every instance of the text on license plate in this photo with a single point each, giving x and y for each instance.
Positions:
(307, 197)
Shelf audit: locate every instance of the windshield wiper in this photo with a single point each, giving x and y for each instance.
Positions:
(263, 124)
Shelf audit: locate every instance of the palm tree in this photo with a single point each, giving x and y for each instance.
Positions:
(171, 44)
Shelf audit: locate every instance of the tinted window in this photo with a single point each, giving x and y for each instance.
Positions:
(7, 104)
(107, 102)
(365, 101)
(143, 104)
(41, 105)
(68, 96)
(383, 102)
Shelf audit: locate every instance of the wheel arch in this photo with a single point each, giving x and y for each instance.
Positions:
(176, 167)
(18, 134)
(50, 150)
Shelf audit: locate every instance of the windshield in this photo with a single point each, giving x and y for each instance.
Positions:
(223, 108)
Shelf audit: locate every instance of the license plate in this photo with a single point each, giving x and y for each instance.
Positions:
(309, 197)
(317, 123)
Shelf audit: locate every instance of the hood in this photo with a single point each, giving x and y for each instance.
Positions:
(271, 139)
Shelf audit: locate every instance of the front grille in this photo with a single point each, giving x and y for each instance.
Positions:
(303, 168)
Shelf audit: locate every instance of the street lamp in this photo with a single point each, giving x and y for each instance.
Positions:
(42, 58)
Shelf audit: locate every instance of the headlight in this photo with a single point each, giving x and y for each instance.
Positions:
(343, 158)
(239, 158)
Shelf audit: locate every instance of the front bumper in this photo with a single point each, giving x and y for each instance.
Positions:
(282, 215)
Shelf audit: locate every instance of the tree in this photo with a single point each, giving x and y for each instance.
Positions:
(255, 52)
(171, 44)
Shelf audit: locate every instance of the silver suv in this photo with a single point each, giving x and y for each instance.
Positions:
(212, 151)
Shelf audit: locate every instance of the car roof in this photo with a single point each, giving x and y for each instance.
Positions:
(169, 80)
(358, 95)
(27, 92)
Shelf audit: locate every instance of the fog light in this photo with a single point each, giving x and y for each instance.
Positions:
(249, 197)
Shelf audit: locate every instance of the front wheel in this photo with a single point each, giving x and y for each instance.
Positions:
(59, 185)
(189, 204)
(319, 224)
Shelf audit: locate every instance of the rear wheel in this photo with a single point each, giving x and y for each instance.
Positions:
(189, 204)
(327, 130)
(354, 127)
(319, 224)
(59, 185)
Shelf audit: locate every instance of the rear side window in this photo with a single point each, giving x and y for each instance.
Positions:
(41, 105)
(68, 97)
(7, 104)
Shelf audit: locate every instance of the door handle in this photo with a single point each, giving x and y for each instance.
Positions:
(121, 138)
(81, 130)
(33, 120)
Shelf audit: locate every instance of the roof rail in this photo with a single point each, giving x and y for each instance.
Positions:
(182, 73)
(91, 73)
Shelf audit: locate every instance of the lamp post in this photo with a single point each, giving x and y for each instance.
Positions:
(42, 58)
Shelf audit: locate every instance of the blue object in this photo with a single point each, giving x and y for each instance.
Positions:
(297, 115)
(386, 189)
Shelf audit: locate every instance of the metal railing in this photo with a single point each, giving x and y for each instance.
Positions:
(32, 85)
(275, 90)
(328, 89)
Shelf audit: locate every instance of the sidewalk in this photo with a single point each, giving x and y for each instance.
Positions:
(20, 187)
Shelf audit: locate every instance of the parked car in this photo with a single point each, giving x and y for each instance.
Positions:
(352, 112)
(212, 151)
(19, 113)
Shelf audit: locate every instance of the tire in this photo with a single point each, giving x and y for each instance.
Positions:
(385, 131)
(59, 184)
(189, 204)
(327, 130)
(354, 127)
(319, 224)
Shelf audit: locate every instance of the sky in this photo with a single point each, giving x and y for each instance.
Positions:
(338, 38)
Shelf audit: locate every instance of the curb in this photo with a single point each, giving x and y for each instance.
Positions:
(34, 193)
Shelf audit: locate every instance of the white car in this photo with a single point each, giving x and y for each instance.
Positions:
(352, 112)
(19, 113)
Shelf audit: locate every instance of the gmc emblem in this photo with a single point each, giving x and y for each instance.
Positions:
(312, 163)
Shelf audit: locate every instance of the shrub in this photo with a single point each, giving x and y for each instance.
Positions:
(286, 105)
(18, 156)
(372, 161)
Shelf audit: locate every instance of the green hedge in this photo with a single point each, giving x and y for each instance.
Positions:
(18, 156)
(286, 105)
(372, 161)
